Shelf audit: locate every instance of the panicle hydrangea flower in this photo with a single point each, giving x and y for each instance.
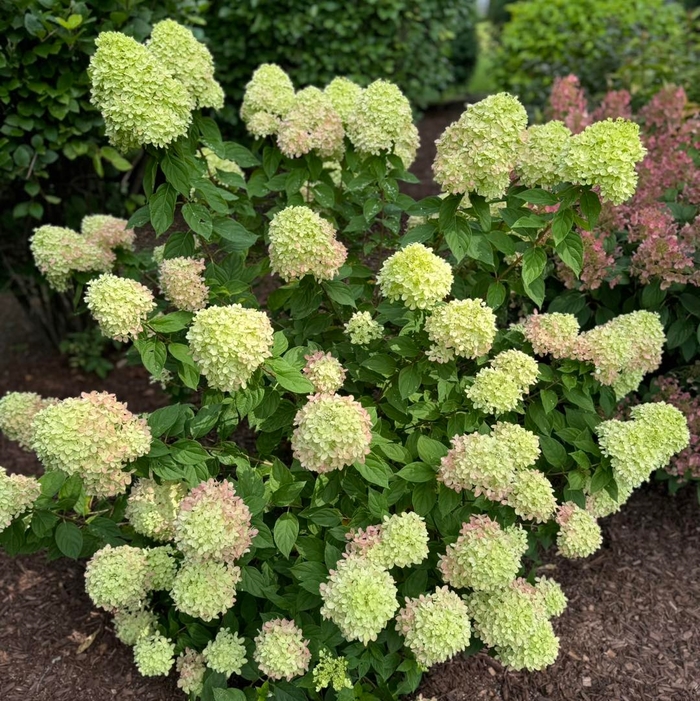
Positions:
(58, 251)
(132, 624)
(154, 655)
(605, 154)
(363, 542)
(158, 254)
(225, 654)
(151, 507)
(552, 334)
(630, 343)
(162, 567)
(268, 95)
(552, 596)
(360, 598)
(229, 344)
(494, 391)
(478, 152)
(94, 436)
(119, 305)
(191, 668)
(281, 651)
(382, 121)
(400, 541)
(140, 101)
(601, 504)
(598, 264)
(579, 533)
(182, 283)
(363, 329)
(17, 412)
(436, 626)
(331, 671)
(107, 231)
(213, 523)
(17, 494)
(542, 153)
(532, 496)
(415, 276)
(205, 589)
(520, 447)
(540, 650)
(519, 366)
(462, 327)
(485, 556)
(311, 124)
(567, 102)
(302, 242)
(331, 432)
(188, 61)
(343, 94)
(325, 372)
(262, 124)
(118, 578)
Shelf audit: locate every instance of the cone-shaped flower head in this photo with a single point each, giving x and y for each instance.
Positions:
(188, 61)
(229, 344)
(360, 598)
(363, 329)
(17, 412)
(140, 101)
(17, 494)
(542, 154)
(519, 366)
(478, 152)
(151, 507)
(343, 94)
(532, 496)
(132, 624)
(226, 653)
(325, 372)
(269, 94)
(304, 243)
(494, 391)
(154, 655)
(552, 596)
(93, 436)
(436, 626)
(281, 651)
(183, 284)
(331, 671)
(191, 668)
(485, 556)
(579, 532)
(552, 334)
(331, 432)
(520, 447)
(205, 589)
(415, 276)
(119, 305)
(117, 578)
(107, 231)
(462, 327)
(213, 523)
(605, 154)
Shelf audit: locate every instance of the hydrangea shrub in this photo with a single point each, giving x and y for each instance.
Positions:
(370, 428)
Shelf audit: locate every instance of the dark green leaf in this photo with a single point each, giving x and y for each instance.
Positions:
(69, 539)
(285, 533)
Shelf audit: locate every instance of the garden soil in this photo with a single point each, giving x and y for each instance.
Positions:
(631, 631)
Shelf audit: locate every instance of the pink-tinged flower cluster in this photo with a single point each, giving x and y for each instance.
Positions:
(325, 372)
(551, 334)
(107, 231)
(568, 104)
(17, 494)
(281, 651)
(182, 283)
(213, 523)
(616, 104)
(579, 532)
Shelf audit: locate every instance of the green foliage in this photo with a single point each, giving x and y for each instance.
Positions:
(86, 350)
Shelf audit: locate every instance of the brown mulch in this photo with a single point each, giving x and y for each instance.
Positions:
(631, 631)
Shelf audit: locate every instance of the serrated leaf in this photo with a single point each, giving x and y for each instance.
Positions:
(69, 539)
(561, 225)
(162, 208)
(198, 219)
(289, 377)
(496, 295)
(417, 472)
(285, 533)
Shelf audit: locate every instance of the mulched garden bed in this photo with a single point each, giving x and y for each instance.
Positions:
(631, 631)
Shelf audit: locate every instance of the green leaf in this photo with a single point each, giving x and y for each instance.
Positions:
(549, 400)
(51, 481)
(381, 363)
(289, 377)
(537, 196)
(457, 238)
(535, 291)
(280, 344)
(238, 237)
(570, 250)
(417, 472)
(601, 478)
(431, 451)
(188, 452)
(162, 420)
(496, 295)
(561, 225)
(198, 219)
(373, 470)
(169, 323)
(43, 523)
(339, 292)
(179, 244)
(533, 264)
(409, 381)
(285, 533)
(590, 207)
(162, 208)
(153, 355)
(176, 173)
(553, 451)
(69, 539)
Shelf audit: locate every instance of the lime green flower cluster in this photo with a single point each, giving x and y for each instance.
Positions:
(532, 496)
(605, 154)
(360, 598)
(436, 626)
(463, 327)
(646, 443)
(331, 671)
(552, 334)
(304, 243)
(182, 283)
(499, 388)
(601, 503)
(478, 152)
(229, 344)
(162, 567)
(415, 276)
(132, 624)
(579, 532)
(363, 329)
(311, 124)
(119, 305)
(118, 578)
(382, 122)
(325, 372)
(281, 651)
(343, 94)
(17, 412)
(151, 507)
(17, 494)
(154, 655)
(226, 653)
(205, 589)
(93, 436)
(485, 557)
(552, 596)
(58, 252)
(514, 621)
(543, 153)
(188, 61)
(331, 432)
(213, 523)
(107, 231)
(191, 668)
(269, 95)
